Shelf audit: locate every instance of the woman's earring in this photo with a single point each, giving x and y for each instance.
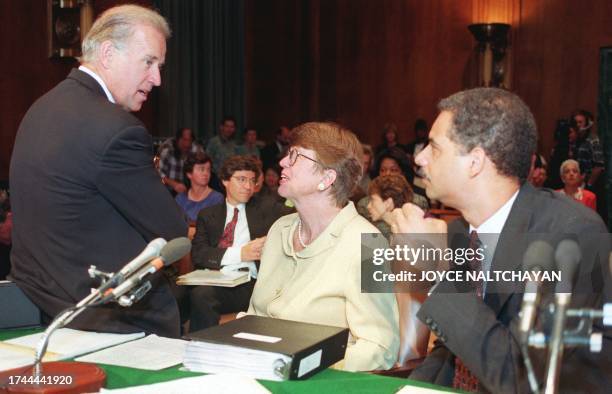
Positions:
(321, 186)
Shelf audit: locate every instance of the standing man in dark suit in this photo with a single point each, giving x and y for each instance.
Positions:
(84, 190)
(477, 160)
(230, 236)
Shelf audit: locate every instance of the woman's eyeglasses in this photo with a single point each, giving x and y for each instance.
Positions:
(294, 154)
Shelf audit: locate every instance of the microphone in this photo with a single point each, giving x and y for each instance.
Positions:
(171, 252)
(567, 256)
(538, 257)
(152, 250)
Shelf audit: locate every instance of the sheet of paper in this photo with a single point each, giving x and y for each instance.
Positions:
(151, 353)
(210, 384)
(71, 343)
(419, 390)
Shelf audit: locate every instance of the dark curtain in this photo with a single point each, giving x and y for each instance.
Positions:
(203, 78)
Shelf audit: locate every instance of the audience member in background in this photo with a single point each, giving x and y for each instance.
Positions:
(269, 189)
(172, 156)
(249, 147)
(389, 139)
(394, 162)
(222, 146)
(199, 194)
(573, 180)
(367, 160)
(272, 153)
(311, 262)
(6, 226)
(90, 194)
(229, 236)
(421, 132)
(537, 176)
(566, 147)
(591, 159)
(386, 193)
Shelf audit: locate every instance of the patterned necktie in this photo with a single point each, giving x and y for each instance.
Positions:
(464, 379)
(227, 238)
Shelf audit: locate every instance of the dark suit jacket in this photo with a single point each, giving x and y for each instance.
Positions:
(484, 333)
(260, 213)
(84, 192)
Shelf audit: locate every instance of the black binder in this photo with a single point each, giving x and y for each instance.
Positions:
(311, 347)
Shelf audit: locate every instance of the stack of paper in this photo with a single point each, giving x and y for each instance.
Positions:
(214, 278)
(216, 358)
(64, 343)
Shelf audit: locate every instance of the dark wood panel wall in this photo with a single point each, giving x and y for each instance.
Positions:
(365, 63)
(360, 62)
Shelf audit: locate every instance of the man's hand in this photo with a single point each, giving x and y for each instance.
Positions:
(410, 219)
(252, 250)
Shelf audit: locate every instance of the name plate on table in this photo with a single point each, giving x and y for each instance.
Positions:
(266, 348)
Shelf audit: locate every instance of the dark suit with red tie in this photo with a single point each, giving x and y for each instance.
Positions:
(207, 303)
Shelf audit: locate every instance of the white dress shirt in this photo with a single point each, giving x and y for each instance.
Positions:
(489, 231)
(231, 259)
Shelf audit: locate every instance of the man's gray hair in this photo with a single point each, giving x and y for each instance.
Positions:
(499, 122)
(117, 25)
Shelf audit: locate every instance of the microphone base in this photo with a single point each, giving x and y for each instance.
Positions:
(65, 377)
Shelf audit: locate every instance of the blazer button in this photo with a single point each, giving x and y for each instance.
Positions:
(428, 320)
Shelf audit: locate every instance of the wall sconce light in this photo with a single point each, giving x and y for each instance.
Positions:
(493, 64)
(68, 22)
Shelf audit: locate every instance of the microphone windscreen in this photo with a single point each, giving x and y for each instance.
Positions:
(539, 255)
(175, 250)
(567, 257)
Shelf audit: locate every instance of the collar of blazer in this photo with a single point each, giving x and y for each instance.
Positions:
(86, 80)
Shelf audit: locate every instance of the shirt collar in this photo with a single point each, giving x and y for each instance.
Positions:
(230, 207)
(495, 223)
(95, 76)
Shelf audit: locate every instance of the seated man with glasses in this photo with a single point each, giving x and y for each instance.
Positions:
(230, 236)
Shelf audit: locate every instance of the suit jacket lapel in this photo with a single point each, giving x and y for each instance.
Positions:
(86, 80)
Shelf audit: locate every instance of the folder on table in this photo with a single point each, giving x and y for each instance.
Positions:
(266, 348)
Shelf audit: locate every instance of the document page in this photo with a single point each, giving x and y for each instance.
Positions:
(151, 353)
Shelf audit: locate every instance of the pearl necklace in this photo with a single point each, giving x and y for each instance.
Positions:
(300, 234)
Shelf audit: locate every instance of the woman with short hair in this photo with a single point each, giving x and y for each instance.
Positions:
(311, 262)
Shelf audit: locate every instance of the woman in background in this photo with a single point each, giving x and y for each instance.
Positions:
(385, 194)
(199, 194)
(572, 181)
(311, 262)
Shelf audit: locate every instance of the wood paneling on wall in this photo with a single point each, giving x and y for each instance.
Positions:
(365, 63)
(26, 73)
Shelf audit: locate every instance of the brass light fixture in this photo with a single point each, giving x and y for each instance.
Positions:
(492, 45)
(68, 22)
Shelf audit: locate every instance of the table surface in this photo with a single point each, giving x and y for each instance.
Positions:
(327, 381)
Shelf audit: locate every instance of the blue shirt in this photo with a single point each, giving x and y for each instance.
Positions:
(192, 208)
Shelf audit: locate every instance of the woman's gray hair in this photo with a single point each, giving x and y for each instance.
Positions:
(117, 25)
(567, 163)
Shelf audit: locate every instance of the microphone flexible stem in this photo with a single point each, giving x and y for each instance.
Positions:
(555, 347)
(533, 381)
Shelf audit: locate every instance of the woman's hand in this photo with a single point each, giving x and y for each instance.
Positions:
(252, 250)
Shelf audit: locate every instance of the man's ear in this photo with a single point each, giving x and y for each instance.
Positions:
(478, 158)
(106, 53)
